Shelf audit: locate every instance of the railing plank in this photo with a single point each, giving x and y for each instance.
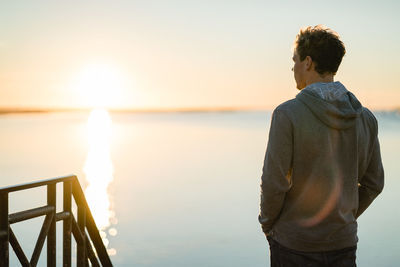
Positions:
(81, 247)
(29, 214)
(76, 231)
(42, 237)
(63, 215)
(67, 225)
(51, 235)
(4, 226)
(70, 225)
(91, 254)
(18, 250)
(91, 227)
(13, 188)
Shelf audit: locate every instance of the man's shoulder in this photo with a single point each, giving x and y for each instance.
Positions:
(368, 113)
(288, 106)
(370, 118)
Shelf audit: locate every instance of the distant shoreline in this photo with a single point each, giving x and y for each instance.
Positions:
(149, 110)
(11, 111)
(5, 111)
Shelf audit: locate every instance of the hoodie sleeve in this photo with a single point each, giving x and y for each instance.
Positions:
(276, 175)
(371, 184)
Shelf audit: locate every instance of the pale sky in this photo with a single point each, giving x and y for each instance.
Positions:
(186, 54)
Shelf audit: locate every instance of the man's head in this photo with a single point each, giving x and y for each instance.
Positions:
(317, 55)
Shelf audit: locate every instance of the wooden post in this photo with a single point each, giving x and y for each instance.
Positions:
(51, 236)
(67, 224)
(81, 248)
(4, 232)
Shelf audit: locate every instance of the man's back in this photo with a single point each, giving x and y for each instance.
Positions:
(326, 142)
(322, 167)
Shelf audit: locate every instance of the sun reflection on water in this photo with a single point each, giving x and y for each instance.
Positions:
(98, 170)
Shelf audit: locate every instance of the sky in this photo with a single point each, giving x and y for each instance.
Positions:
(186, 54)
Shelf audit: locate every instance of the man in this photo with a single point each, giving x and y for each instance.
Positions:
(322, 167)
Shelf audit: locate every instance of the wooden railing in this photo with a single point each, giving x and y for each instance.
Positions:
(89, 246)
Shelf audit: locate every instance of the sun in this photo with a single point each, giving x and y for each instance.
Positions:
(99, 86)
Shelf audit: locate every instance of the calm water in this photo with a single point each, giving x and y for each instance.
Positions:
(174, 189)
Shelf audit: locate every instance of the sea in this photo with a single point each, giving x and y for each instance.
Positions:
(170, 189)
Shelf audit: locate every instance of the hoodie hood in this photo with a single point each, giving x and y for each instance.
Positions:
(332, 104)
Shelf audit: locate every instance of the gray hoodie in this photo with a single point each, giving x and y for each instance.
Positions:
(322, 169)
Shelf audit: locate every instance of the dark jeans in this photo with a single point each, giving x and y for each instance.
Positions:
(285, 257)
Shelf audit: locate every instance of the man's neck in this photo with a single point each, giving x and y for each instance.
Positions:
(317, 78)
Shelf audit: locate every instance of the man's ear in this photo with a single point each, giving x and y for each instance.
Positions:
(309, 62)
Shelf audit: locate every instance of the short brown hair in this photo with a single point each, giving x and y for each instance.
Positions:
(323, 46)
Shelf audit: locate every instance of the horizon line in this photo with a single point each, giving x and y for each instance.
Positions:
(16, 110)
(4, 110)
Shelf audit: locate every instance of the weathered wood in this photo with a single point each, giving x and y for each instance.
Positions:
(78, 228)
(78, 235)
(91, 227)
(42, 237)
(44, 182)
(67, 224)
(91, 254)
(81, 247)
(29, 214)
(63, 215)
(51, 235)
(18, 250)
(4, 229)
